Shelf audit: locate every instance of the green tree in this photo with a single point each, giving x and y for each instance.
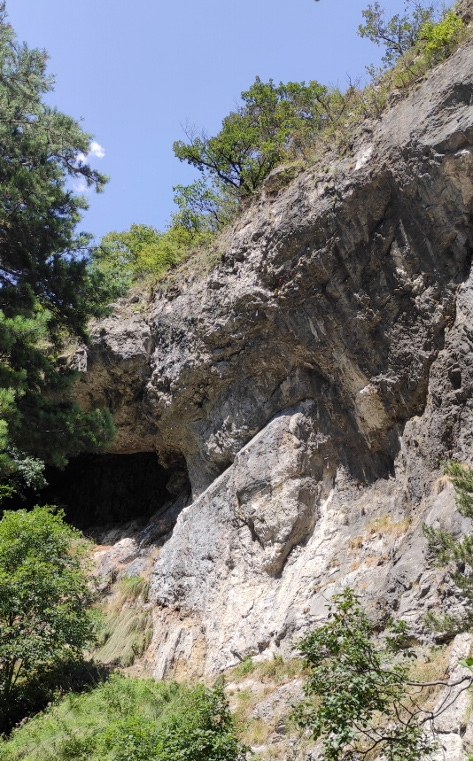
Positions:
(44, 599)
(47, 292)
(201, 729)
(272, 125)
(142, 250)
(399, 33)
(203, 209)
(360, 699)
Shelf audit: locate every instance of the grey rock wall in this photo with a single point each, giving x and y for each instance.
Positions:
(310, 384)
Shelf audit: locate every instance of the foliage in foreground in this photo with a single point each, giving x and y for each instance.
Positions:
(127, 719)
(47, 293)
(44, 599)
(364, 703)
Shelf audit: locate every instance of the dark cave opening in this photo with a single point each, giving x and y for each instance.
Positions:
(105, 489)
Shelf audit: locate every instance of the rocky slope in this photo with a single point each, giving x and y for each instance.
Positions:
(306, 388)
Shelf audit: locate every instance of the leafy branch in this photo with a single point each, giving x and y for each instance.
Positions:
(359, 698)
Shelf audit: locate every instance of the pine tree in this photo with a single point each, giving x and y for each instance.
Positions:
(47, 293)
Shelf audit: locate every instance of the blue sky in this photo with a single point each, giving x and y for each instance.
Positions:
(134, 73)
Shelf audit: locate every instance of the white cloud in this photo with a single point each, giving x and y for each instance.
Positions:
(95, 152)
(79, 184)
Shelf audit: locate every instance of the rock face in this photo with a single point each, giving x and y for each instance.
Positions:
(309, 385)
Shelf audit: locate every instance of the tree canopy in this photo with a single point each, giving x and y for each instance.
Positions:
(47, 293)
(44, 594)
(400, 32)
(274, 123)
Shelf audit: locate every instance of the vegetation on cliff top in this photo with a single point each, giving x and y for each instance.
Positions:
(276, 124)
(51, 283)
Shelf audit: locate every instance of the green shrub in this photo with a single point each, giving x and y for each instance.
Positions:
(446, 548)
(440, 38)
(44, 600)
(358, 693)
(130, 720)
(142, 250)
(244, 668)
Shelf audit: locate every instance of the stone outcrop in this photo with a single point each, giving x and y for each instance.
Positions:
(309, 384)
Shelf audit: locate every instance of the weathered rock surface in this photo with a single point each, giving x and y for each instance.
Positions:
(309, 384)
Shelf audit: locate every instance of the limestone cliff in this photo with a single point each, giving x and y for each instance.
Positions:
(308, 386)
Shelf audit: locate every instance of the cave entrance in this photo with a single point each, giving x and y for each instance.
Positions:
(99, 490)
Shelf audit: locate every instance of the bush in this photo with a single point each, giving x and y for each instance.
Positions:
(44, 600)
(445, 548)
(131, 720)
(362, 700)
(441, 38)
(124, 258)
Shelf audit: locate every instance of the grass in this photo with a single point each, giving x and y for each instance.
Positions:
(133, 587)
(384, 525)
(125, 625)
(260, 680)
(125, 637)
(275, 669)
(243, 668)
(279, 670)
(431, 667)
(129, 720)
(251, 729)
(68, 730)
(256, 733)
